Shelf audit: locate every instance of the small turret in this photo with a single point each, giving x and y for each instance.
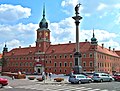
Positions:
(93, 39)
(5, 49)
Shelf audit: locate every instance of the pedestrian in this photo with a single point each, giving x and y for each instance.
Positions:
(50, 74)
(46, 74)
(13, 77)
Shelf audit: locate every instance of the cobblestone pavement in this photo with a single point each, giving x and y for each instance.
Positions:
(57, 87)
(51, 85)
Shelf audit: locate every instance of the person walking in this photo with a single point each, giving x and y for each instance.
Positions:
(50, 74)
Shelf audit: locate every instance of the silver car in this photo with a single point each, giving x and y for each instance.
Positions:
(79, 78)
(102, 77)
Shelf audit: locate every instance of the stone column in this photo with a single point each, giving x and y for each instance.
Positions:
(77, 55)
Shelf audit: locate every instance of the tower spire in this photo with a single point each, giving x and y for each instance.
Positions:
(44, 10)
(93, 33)
(43, 23)
(93, 39)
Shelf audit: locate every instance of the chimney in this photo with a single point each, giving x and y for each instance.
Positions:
(109, 48)
(102, 45)
(113, 49)
(19, 46)
(85, 40)
(30, 46)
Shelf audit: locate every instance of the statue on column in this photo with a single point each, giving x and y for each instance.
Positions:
(77, 8)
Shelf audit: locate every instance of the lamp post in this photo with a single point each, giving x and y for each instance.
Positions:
(77, 55)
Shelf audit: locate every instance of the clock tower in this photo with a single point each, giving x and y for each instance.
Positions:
(43, 35)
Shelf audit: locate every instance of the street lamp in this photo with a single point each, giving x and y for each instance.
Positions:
(77, 55)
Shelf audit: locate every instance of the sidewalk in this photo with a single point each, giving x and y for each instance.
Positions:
(48, 81)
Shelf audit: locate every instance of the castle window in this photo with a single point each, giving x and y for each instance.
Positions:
(60, 56)
(84, 64)
(31, 58)
(55, 64)
(16, 64)
(65, 56)
(91, 55)
(91, 64)
(60, 70)
(55, 70)
(70, 64)
(50, 61)
(65, 64)
(65, 70)
(31, 64)
(50, 56)
(55, 56)
(60, 64)
(70, 55)
(20, 64)
(84, 55)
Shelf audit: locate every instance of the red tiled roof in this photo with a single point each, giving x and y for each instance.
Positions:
(68, 48)
(62, 48)
(106, 51)
(118, 52)
(21, 51)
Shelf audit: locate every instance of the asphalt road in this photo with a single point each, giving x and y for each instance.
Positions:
(34, 85)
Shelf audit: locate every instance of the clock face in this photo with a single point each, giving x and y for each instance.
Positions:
(46, 33)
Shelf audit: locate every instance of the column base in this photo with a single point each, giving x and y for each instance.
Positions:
(77, 69)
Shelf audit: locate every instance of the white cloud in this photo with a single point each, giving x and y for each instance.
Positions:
(69, 6)
(87, 14)
(10, 13)
(69, 2)
(64, 31)
(117, 6)
(101, 6)
(14, 43)
(18, 34)
(111, 43)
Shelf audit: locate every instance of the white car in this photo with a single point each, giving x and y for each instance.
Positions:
(102, 77)
(79, 78)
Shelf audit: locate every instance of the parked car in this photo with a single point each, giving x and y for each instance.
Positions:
(102, 77)
(3, 82)
(117, 77)
(79, 78)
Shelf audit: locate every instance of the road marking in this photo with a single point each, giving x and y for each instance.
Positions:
(7, 87)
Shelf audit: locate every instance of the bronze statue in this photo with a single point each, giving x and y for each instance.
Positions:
(77, 8)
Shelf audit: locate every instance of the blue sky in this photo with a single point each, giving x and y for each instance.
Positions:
(19, 21)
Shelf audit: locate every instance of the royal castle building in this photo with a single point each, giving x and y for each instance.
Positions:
(59, 58)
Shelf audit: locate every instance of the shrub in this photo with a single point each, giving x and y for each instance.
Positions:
(58, 79)
(21, 76)
(31, 78)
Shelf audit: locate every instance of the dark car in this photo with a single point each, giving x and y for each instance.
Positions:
(79, 78)
(3, 82)
(117, 77)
